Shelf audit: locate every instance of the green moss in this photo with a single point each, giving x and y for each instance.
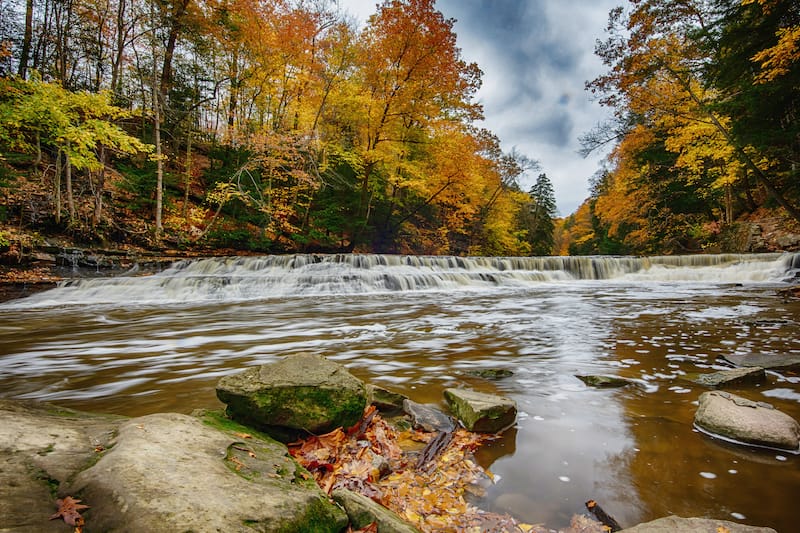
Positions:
(49, 449)
(40, 475)
(321, 517)
(218, 420)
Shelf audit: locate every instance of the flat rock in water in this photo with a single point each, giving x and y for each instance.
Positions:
(490, 373)
(736, 376)
(428, 418)
(675, 524)
(485, 413)
(768, 361)
(384, 399)
(603, 381)
(303, 392)
(758, 423)
(362, 512)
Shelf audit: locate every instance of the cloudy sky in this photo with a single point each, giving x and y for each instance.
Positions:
(536, 56)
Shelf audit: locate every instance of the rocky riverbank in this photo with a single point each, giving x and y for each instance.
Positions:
(209, 472)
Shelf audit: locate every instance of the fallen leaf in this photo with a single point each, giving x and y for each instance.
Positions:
(69, 509)
(243, 435)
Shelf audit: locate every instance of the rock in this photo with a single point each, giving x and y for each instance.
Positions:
(672, 524)
(737, 376)
(767, 361)
(603, 381)
(172, 472)
(301, 392)
(758, 423)
(41, 446)
(362, 512)
(490, 373)
(384, 399)
(427, 418)
(481, 412)
(165, 472)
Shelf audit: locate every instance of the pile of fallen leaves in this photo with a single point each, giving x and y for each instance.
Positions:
(398, 470)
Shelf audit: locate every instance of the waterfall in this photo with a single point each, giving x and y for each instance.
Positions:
(247, 278)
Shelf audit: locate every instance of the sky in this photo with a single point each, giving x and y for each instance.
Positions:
(536, 56)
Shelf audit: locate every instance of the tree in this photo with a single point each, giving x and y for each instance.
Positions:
(78, 125)
(536, 218)
(656, 70)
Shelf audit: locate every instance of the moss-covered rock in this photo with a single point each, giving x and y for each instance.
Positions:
(303, 392)
(362, 512)
(162, 472)
(481, 412)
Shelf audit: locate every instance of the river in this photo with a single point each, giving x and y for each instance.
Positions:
(135, 345)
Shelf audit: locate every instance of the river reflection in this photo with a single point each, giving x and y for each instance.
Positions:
(633, 450)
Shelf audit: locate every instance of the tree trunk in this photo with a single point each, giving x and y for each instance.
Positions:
(57, 188)
(98, 191)
(159, 162)
(68, 179)
(26, 40)
(187, 175)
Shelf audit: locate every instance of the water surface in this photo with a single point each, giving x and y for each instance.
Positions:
(136, 346)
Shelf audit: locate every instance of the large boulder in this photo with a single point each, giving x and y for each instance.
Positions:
(172, 472)
(164, 472)
(304, 392)
(758, 423)
(673, 524)
(485, 413)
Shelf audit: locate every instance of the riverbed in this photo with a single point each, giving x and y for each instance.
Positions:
(138, 345)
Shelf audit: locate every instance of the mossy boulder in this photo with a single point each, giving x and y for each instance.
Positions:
(303, 392)
(485, 413)
(161, 472)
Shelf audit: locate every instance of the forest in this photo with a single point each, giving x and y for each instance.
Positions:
(279, 126)
(272, 126)
(705, 132)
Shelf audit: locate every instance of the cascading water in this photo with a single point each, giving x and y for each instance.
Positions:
(251, 278)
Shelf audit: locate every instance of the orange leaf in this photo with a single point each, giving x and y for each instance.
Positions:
(69, 509)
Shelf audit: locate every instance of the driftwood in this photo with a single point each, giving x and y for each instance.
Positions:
(434, 448)
(606, 519)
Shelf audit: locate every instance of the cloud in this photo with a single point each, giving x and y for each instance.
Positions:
(536, 57)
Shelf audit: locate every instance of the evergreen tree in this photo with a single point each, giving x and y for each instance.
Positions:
(537, 217)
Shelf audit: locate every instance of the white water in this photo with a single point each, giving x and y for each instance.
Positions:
(256, 278)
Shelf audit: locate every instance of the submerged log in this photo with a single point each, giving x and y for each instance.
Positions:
(606, 519)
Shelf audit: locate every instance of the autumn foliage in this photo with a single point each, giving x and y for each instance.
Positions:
(273, 125)
(704, 96)
(431, 490)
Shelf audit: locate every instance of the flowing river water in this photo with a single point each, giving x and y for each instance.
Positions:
(137, 345)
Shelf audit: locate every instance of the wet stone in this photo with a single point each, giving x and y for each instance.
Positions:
(428, 418)
(736, 376)
(739, 419)
(485, 413)
(603, 381)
